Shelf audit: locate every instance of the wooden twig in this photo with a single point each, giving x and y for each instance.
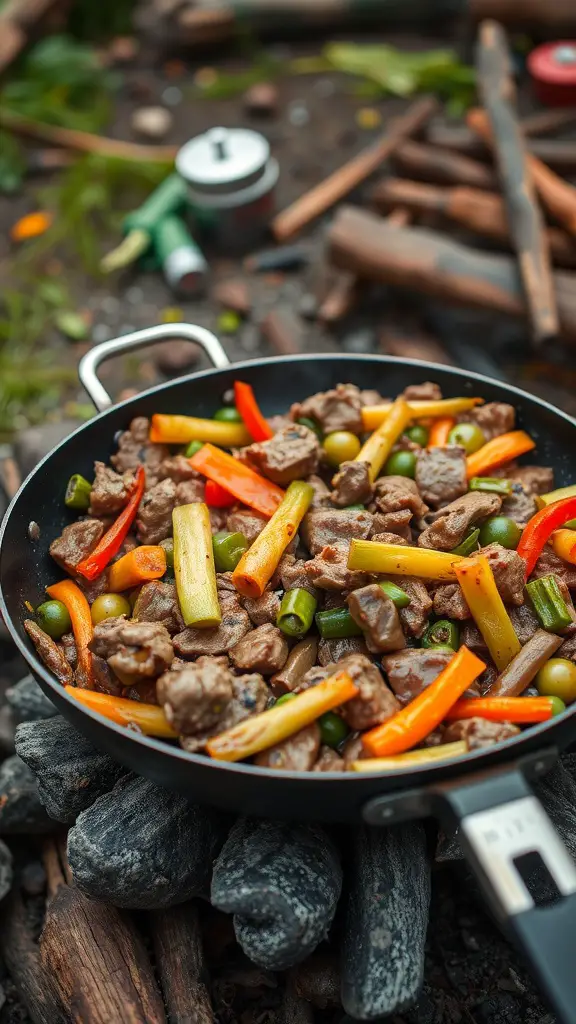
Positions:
(418, 346)
(54, 874)
(180, 964)
(496, 86)
(20, 954)
(559, 154)
(339, 184)
(86, 142)
(283, 331)
(430, 163)
(61, 841)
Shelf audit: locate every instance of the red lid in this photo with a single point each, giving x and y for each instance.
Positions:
(553, 70)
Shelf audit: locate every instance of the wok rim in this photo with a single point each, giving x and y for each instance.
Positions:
(509, 748)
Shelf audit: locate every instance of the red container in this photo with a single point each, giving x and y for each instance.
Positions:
(552, 68)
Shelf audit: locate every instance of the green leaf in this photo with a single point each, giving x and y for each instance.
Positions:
(72, 324)
(12, 163)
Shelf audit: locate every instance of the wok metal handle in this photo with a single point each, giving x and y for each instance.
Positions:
(88, 368)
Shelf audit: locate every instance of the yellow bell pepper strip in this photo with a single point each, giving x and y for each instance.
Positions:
(283, 720)
(145, 563)
(498, 452)
(439, 430)
(79, 611)
(401, 560)
(182, 429)
(564, 545)
(520, 710)
(540, 528)
(379, 445)
(194, 566)
(244, 483)
(557, 495)
(374, 415)
(94, 564)
(414, 722)
(148, 717)
(258, 564)
(413, 758)
(479, 588)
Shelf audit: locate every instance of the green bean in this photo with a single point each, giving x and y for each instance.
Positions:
(78, 493)
(468, 545)
(168, 546)
(336, 623)
(443, 633)
(491, 484)
(549, 605)
(228, 550)
(398, 596)
(296, 612)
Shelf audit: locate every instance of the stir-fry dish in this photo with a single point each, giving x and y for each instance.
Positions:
(361, 584)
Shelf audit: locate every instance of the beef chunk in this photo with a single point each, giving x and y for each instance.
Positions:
(321, 491)
(353, 750)
(224, 582)
(520, 505)
(106, 682)
(550, 563)
(76, 542)
(478, 732)
(50, 653)
(264, 650)
(441, 474)
(154, 521)
(243, 520)
(410, 672)
(338, 409)
(296, 754)
(352, 484)
(509, 572)
(427, 392)
(293, 574)
(329, 571)
(378, 618)
(389, 538)
(494, 418)
(68, 645)
(143, 692)
(134, 449)
(375, 702)
(525, 622)
(291, 454)
(195, 697)
(452, 523)
(535, 479)
(568, 648)
(263, 609)
(393, 522)
(450, 603)
(110, 490)
(330, 526)
(250, 695)
(188, 492)
(158, 602)
(313, 676)
(217, 639)
(178, 469)
(334, 650)
(396, 493)
(135, 651)
(329, 761)
(471, 637)
(414, 617)
(370, 396)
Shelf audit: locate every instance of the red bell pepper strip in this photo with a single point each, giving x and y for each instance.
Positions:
(244, 483)
(540, 528)
(217, 496)
(257, 426)
(95, 563)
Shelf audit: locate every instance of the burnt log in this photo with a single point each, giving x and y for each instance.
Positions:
(21, 810)
(71, 773)
(317, 980)
(295, 1009)
(20, 953)
(180, 964)
(29, 702)
(282, 882)
(6, 873)
(141, 846)
(386, 921)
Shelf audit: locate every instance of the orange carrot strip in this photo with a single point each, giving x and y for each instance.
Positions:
(145, 563)
(523, 710)
(498, 451)
(79, 611)
(149, 717)
(414, 722)
(244, 483)
(259, 563)
(249, 410)
(438, 436)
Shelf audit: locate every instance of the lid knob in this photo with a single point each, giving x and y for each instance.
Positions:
(218, 138)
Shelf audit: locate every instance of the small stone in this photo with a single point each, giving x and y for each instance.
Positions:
(361, 340)
(123, 49)
(110, 304)
(33, 443)
(28, 701)
(324, 87)
(228, 322)
(172, 96)
(368, 118)
(152, 122)
(176, 356)
(298, 114)
(233, 294)
(21, 811)
(134, 295)
(308, 306)
(33, 878)
(100, 333)
(33, 531)
(261, 99)
(6, 873)
(250, 338)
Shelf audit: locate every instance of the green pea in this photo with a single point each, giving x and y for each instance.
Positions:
(468, 435)
(192, 448)
(333, 729)
(401, 464)
(557, 678)
(168, 546)
(500, 530)
(228, 550)
(417, 434)
(109, 606)
(54, 619)
(228, 414)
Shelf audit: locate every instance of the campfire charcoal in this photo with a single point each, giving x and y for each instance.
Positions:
(295, 1009)
(28, 701)
(21, 811)
(318, 980)
(5, 869)
(386, 921)
(140, 846)
(282, 883)
(19, 952)
(71, 773)
(7, 729)
(448, 848)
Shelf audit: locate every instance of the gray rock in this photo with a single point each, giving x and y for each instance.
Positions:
(5, 871)
(34, 443)
(448, 848)
(21, 810)
(7, 729)
(28, 701)
(282, 883)
(386, 921)
(140, 846)
(71, 773)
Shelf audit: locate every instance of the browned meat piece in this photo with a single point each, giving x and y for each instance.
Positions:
(329, 761)
(154, 522)
(535, 479)
(195, 697)
(332, 526)
(249, 697)
(334, 650)
(550, 563)
(68, 645)
(478, 732)
(301, 658)
(291, 454)
(352, 484)
(509, 570)
(135, 651)
(338, 409)
(134, 449)
(224, 582)
(293, 574)
(494, 418)
(178, 469)
(520, 505)
(395, 493)
(378, 619)
(427, 392)
(414, 617)
(218, 639)
(247, 522)
(264, 650)
(452, 523)
(321, 491)
(316, 674)
(441, 474)
(76, 542)
(372, 397)
(375, 702)
(450, 603)
(263, 609)
(568, 648)
(93, 588)
(50, 653)
(110, 490)
(433, 739)
(393, 522)
(296, 754)
(158, 602)
(471, 637)
(143, 692)
(329, 571)
(389, 538)
(106, 682)
(410, 672)
(525, 622)
(188, 492)
(353, 750)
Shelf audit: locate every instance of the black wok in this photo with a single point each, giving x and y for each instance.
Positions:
(487, 792)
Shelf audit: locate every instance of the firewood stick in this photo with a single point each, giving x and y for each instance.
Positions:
(364, 244)
(180, 964)
(471, 208)
(339, 184)
(496, 86)
(560, 154)
(442, 167)
(20, 954)
(548, 15)
(51, 859)
(86, 142)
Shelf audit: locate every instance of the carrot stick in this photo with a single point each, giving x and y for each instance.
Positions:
(379, 445)
(498, 451)
(183, 429)
(149, 717)
(477, 581)
(522, 710)
(256, 424)
(438, 436)
(79, 611)
(374, 415)
(244, 483)
(271, 727)
(414, 758)
(414, 722)
(145, 563)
